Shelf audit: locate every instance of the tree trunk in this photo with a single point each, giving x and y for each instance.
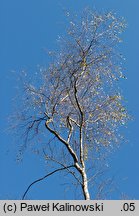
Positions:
(85, 185)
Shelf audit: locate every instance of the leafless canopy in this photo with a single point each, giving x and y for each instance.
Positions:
(77, 99)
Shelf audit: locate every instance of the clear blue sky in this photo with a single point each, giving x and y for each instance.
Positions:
(26, 29)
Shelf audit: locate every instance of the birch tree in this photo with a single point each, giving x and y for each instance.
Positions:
(75, 106)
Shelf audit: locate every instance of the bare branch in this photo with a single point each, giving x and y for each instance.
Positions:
(72, 153)
(58, 162)
(44, 177)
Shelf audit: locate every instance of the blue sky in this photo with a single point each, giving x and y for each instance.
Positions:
(27, 29)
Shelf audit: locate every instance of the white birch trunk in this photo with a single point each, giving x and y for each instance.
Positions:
(85, 185)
